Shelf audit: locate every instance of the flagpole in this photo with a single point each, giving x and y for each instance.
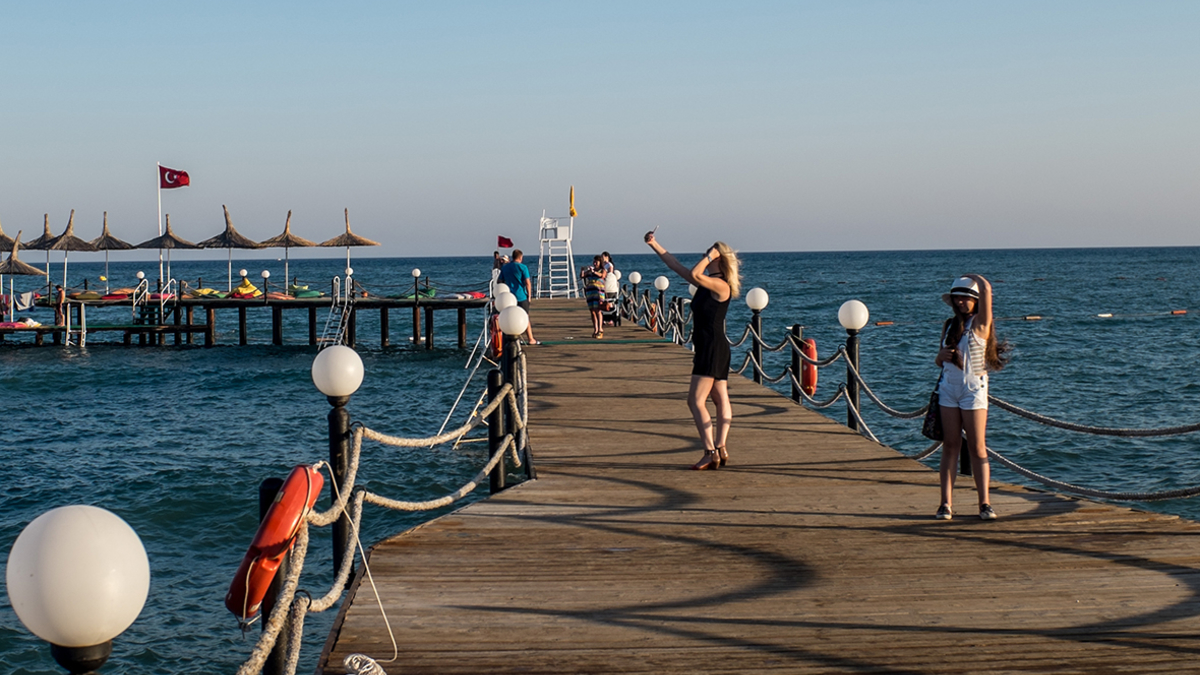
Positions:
(158, 182)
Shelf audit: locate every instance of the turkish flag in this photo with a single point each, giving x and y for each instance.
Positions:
(504, 242)
(170, 178)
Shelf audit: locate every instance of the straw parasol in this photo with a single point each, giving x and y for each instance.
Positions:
(167, 241)
(348, 239)
(67, 242)
(42, 243)
(106, 242)
(288, 241)
(229, 239)
(13, 267)
(5, 240)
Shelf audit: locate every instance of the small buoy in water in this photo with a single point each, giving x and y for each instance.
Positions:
(1178, 311)
(884, 323)
(1106, 315)
(1033, 317)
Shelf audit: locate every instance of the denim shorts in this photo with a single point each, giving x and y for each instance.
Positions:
(969, 393)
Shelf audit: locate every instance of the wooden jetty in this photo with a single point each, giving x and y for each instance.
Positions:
(182, 320)
(813, 551)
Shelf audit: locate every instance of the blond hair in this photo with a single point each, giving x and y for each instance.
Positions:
(728, 262)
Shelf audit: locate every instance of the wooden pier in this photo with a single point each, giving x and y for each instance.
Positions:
(813, 551)
(182, 319)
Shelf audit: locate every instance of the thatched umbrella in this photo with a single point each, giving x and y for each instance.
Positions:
(42, 243)
(288, 241)
(67, 242)
(106, 242)
(167, 241)
(348, 239)
(13, 267)
(5, 241)
(229, 239)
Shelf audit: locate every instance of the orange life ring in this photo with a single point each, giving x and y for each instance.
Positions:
(496, 338)
(808, 371)
(274, 538)
(652, 321)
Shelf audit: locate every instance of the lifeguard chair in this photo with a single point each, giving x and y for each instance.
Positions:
(556, 264)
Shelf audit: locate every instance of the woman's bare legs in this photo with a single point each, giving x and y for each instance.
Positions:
(974, 422)
(698, 393)
(720, 398)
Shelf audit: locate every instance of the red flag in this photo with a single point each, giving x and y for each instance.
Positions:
(504, 242)
(170, 178)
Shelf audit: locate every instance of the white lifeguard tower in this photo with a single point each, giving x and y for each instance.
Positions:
(557, 277)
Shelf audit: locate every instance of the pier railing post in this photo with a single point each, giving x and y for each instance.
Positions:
(496, 424)
(797, 365)
(339, 464)
(277, 660)
(851, 383)
(756, 352)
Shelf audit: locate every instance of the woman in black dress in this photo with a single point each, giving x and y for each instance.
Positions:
(717, 281)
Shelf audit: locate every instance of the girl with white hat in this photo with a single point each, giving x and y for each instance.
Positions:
(968, 351)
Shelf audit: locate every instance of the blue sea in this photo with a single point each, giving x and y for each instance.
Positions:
(176, 439)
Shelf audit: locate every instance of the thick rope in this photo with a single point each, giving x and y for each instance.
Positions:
(882, 406)
(1098, 494)
(262, 649)
(1099, 431)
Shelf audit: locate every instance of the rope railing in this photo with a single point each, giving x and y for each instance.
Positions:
(348, 500)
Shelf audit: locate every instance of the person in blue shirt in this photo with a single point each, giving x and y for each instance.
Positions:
(516, 276)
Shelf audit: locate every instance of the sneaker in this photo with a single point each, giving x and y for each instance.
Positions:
(986, 512)
(944, 513)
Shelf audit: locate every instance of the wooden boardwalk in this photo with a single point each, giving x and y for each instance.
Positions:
(813, 551)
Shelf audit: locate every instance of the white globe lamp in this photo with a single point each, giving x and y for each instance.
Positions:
(349, 271)
(416, 272)
(266, 274)
(337, 371)
(853, 315)
(141, 275)
(513, 320)
(78, 576)
(241, 273)
(757, 299)
(662, 283)
(504, 301)
(635, 278)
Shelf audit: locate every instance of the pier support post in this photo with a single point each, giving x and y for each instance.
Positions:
(797, 362)
(210, 333)
(383, 327)
(416, 325)
(352, 328)
(241, 326)
(462, 327)
(191, 321)
(312, 325)
(276, 325)
(339, 465)
(496, 427)
(851, 383)
(277, 660)
(178, 321)
(428, 327)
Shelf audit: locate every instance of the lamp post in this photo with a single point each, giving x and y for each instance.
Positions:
(661, 284)
(757, 300)
(266, 274)
(77, 577)
(513, 322)
(853, 316)
(337, 372)
(635, 278)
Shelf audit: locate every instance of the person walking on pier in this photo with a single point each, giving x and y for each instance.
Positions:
(516, 276)
(968, 351)
(717, 281)
(593, 277)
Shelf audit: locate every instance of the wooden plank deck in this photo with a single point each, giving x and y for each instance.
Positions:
(813, 551)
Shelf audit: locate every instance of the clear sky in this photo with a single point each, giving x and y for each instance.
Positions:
(774, 126)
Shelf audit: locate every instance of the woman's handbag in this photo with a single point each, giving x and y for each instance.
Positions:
(932, 427)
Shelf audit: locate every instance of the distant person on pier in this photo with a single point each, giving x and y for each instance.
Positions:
(968, 351)
(60, 300)
(516, 276)
(717, 280)
(593, 277)
(497, 261)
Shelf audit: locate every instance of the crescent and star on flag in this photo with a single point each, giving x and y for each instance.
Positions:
(172, 178)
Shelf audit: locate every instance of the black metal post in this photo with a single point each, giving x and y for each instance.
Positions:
(851, 383)
(797, 362)
(496, 424)
(277, 660)
(756, 352)
(662, 314)
(339, 463)
(81, 660)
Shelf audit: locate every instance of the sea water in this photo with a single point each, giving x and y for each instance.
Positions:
(176, 439)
